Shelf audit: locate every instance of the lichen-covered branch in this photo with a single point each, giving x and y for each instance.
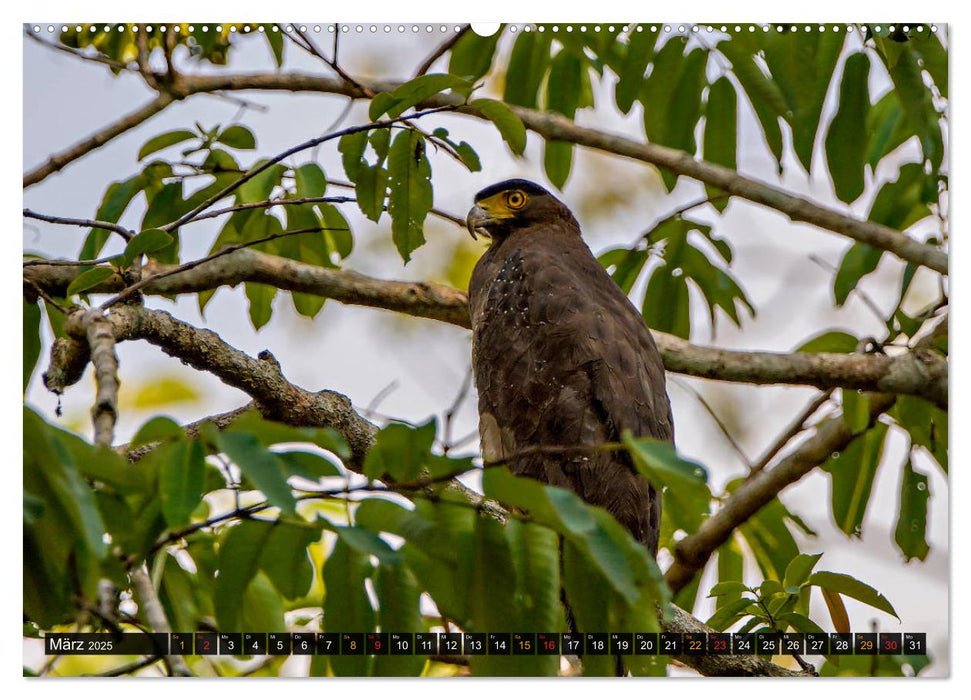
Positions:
(833, 435)
(922, 372)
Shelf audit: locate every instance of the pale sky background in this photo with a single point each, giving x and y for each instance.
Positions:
(360, 351)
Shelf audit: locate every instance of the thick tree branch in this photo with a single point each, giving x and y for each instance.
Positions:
(920, 372)
(261, 378)
(692, 553)
(553, 126)
(59, 160)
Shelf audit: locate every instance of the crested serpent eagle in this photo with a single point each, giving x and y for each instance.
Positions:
(561, 357)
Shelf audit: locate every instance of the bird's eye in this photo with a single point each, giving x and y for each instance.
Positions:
(515, 199)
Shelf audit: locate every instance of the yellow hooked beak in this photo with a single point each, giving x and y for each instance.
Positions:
(481, 216)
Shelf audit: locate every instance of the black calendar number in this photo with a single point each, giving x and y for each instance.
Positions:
(254, 643)
(840, 644)
(694, 643)
(278, 643)
(767, 643)
(915, 643)
(180, 643)
(793, 643)
(500, 643)
(401, 643)
(865, 643)
(743, 643)
(890, 643)
(328, 643)
(230, 644)
(645, 643)
(523, 643)
(206, 644)
(671, 643)
(548, 643)
(596, 643)
(817, 643)
(376, 643)
(475, 643)
(621, 643)
(572, 643)
(352, 644)
(426, 643)
(719, 643)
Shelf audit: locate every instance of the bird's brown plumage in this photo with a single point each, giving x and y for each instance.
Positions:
(561, 357)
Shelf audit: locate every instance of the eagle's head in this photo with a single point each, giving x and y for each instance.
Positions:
(508, 206)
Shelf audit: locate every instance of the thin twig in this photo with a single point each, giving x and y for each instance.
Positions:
(77, 53)
(797, 425)
(87, 223)
(155, 616)
(273, 203)
(101, 340)
(718, 421)
(440, 51)
(130, 668)
(451, 410)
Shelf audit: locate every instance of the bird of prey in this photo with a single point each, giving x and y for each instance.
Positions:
(561, 358)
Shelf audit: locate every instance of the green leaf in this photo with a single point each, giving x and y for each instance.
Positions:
(934, 59)
(274, 40)
(148, 241)
(181, 481)
(763, 93)
(665, 306)
(351, 147)
(472, 55)
(624, 265)
(398, 594)
(528, 63)
(852, 473)
(859, 261)
(730, 613)
(259, 187)
(684, 484)
(728, 588)
(911, 531)
(557, 160)
(162, 141)
(640, 50)
(903, 202)
(400, 451)
(260, 298)
(927, 425)
(238, 137)
(307, 465)
(886, 128)
(260, 466)
(158, 429)
(31, 339)
(830, 341)
(852, 588)
(721, 131)
(411, 192)
(310, 180)
(239, 557)
(856, 410)
(658, 90)
(285, 559)
(846, 145)
(367, 542)
(346, 605)
(917, 105)
(798, 571)
(412, 92)
(89, 279)
(505, 120)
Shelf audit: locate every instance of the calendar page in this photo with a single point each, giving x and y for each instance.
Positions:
(521, 349)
